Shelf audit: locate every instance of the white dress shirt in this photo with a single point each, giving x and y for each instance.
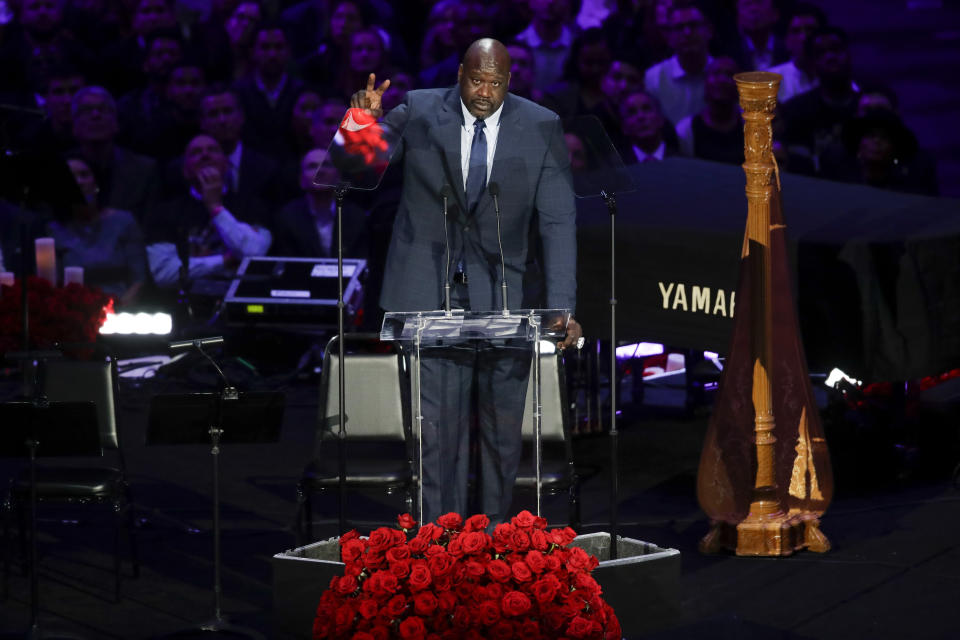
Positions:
(680, 93)
(490, 130)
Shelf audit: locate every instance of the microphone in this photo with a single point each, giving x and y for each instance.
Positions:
(494, 189)
(446, 193)
(176, 345)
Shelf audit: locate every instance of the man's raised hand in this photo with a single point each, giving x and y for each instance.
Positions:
(371, 99)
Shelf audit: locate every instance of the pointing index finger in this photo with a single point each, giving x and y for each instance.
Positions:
(371, 81)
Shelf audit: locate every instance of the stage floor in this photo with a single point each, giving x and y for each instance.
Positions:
(894, 570)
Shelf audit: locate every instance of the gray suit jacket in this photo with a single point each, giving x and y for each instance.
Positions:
(532, 169)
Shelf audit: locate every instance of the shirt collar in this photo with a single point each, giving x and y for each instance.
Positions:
(676, 71)
(532, 38)
(658, 153)
(492, 120)
(234, 157)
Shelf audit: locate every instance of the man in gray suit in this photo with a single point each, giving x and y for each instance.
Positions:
(459, 141)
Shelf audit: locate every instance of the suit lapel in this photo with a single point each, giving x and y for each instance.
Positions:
(447, 136)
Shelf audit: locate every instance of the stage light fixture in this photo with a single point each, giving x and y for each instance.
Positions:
(142, 323)
(836, 376)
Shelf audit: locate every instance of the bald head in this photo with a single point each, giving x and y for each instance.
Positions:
(484, 77)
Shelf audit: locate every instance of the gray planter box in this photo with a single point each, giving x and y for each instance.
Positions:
(642, 584)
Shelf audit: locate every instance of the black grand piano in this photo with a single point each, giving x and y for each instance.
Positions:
(877, 273)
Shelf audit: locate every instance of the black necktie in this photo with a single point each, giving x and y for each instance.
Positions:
(477, 174)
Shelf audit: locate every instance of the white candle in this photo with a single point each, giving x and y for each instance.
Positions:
(72, 274)
(46, 259)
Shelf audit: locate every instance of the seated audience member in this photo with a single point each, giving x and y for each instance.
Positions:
(226, 44)
(509, 18)
(365, 54)
(879, 150)
(759, 47)
(439, 41)
(106, 242)
(128, 181)
(549, 35)
(716, 133)
(123, 60)
(677, 82)
(649, 137)
(622, 78)
(250, 173)
(306, 227)
(268, 93)
(576, 152)
(306, 104)
(139, 110)
(318, 66)
(522, 72)
(55, 132)
(205, 224)
(471, 22)
(326, 121)
(813, 121)
(34, 43)
(798, 73)
(581, 93)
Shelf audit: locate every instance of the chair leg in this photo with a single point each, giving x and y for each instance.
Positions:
(132, 537)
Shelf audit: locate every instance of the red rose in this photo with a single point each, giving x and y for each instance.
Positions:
(348, 536)
(398, 553)
(420, 577)
(502, 630)
(396, 606)
(535, 561)
(545, 588)
(538, 540)
(613, 630)
(401, 568)
(531, 629)
(425, 603)
(580, 560)
(499, 570)
(488, 612)
(473, 542)
(540, 523)
(553, 561)
(446, 601)
(346, 585)
(343, 617)
(351, 551)
(583, 582)
(430, 532)
(455, 547)
(362, 635)
(494, 591)
(478, 522)
(380, 632)
(515, 603)
(368, 608)
(501, 536)
(475, 569)
(417, 545)
(581, 627)
(388, 583)
(373, 559)
(381, 539)
(413, 628)
(441, 564)
(519, 540)
(406, 522)
(451, 521)
(433, 550)
(443, 583)
(524, 520)
(462, 617)
(521, 572)
(561, 537)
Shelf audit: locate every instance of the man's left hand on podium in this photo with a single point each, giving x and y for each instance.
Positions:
(574, 336)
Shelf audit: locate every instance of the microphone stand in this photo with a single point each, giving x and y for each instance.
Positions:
(495, 192)
(610, 200)
(338, 193)
(445, 193)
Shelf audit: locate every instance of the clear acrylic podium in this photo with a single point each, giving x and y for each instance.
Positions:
(429, 328)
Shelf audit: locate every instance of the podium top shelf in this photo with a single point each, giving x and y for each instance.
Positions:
(473, 325)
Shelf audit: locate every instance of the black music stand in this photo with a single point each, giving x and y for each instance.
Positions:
(39, 428)
(224, 417)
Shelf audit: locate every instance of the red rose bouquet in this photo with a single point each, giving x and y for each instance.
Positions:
(452, 580)
(70, 316)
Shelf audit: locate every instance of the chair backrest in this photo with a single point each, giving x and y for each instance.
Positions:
(69, 381)
(555, 413)
(377, 394)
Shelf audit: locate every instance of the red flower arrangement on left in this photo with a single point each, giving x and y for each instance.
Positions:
(70, 315)
(452, 580)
